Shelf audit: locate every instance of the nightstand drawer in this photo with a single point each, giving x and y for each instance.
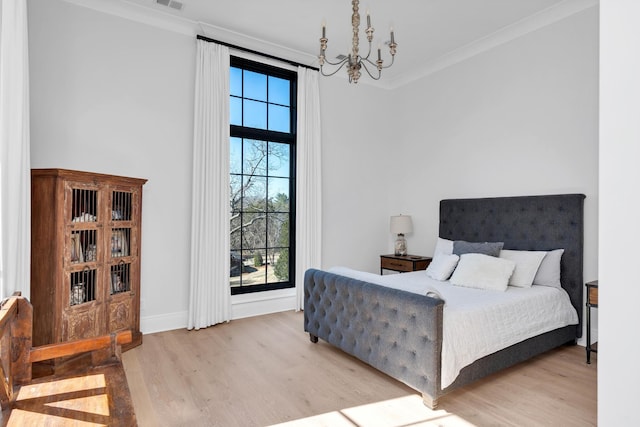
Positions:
(403, 263)
(396, 264)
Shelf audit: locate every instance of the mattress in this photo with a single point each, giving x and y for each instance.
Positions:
(478, 322)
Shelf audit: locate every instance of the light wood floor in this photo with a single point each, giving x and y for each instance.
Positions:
(264, 371)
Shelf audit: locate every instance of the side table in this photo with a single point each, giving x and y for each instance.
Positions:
(592, 302)
(404, 263)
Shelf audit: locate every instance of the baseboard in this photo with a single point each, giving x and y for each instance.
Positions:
(164, 322)
(246, 305)
(259, 303)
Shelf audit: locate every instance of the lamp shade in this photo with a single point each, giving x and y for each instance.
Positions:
(401, 224)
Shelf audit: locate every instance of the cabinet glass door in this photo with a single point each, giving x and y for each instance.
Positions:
(120, 278)
(82, 286)
(121, 244)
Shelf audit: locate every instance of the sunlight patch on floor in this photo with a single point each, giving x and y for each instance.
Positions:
(408, 411)
(76, 384)
(98, 404)
(78, 401)
(21, 418)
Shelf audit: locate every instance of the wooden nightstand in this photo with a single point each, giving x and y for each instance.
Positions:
(404, 263)
(592, 302)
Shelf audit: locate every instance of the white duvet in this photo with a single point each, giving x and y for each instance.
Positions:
(479, 322)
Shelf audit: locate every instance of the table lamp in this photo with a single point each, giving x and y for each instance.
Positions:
(400, 225)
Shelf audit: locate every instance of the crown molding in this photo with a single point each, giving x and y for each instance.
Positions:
(170, 22)
(511, 32)
(253, 43)
(177, 24)
(138, 13)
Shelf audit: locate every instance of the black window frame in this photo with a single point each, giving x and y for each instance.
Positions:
(279, 137)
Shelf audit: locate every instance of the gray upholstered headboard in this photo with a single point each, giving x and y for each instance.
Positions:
(525, 223)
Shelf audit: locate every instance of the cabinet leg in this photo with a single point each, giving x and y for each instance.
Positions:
(588, 334)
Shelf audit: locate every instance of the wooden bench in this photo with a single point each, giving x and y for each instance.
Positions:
(91, 391)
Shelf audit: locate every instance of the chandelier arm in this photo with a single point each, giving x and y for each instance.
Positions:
(341, 62)
(368, 53)
(393, 57)
(364, 65)
(335, 71)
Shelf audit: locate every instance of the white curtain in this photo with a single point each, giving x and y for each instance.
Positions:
(210, 300)
(15, 175)
(309, 184)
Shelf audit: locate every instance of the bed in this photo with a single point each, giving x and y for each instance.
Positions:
(401, 333)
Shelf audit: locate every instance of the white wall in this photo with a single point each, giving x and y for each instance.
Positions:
(113, 96)
(359, 158)
(619, 293)
(521, 119)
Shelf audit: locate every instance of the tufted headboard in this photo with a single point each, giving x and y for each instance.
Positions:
(525, 223)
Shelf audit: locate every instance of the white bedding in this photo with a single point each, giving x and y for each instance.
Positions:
(479, 322)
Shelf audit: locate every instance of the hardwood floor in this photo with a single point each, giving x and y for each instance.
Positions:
(264, 371)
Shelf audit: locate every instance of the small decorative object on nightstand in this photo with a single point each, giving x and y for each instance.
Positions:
(401, 225)
(404, 263)
(592, 302)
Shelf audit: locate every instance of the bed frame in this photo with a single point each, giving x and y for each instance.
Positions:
(400, 333)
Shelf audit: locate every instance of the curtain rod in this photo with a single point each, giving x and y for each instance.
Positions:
(266, 55)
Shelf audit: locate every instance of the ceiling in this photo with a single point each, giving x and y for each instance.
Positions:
(430, 33)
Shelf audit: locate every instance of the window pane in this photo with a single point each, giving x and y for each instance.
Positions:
(279, 118)
(280, 268)
(254, 230)
(279, 155)
(253, 274)
(255, 197)
(235, 188)
(235, 268)
(278, 230)
(255, 157)
(235, 222)
(235, 111)
(254, 268)
(235, 153)
(279, 194)
(279, 91)
(241, 200)
(255, 114)
(235, 81)
(255, 86)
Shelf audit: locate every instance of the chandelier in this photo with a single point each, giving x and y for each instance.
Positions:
(356, 62)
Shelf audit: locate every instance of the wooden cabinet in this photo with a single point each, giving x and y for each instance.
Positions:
(403, 263)
(85, 255)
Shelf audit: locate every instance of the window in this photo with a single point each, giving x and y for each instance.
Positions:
(262, 167)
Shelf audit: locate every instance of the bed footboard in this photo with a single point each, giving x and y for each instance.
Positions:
(399, 333)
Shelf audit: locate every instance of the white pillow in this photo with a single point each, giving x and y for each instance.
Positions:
(483, 272)
(527, 264)
(443, 246)
(442, 266)
(549, 272)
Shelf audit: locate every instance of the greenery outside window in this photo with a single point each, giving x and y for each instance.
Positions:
(262, 167)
